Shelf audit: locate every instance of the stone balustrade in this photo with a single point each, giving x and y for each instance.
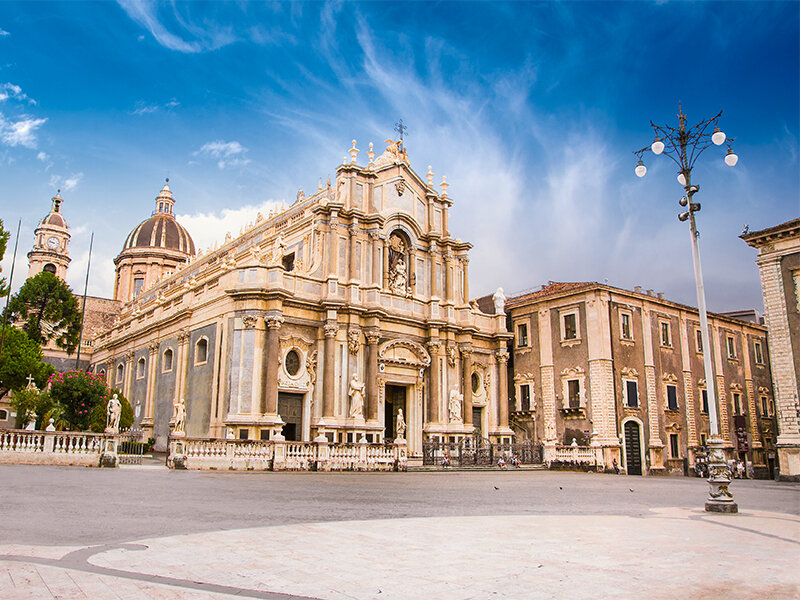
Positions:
(51, 447)
(586, 455)
(281, 455)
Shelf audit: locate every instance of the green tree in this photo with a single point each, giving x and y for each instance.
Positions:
(98, 421)
(79, 393)
(3, 244)
(49, 311)
(27, 403)
(21, 357)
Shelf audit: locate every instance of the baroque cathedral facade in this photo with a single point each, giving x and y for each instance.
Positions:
(346, 315)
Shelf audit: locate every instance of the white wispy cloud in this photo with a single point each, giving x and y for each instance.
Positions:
(227, 154)
(142, 108)
(19, 131)
(208, 36)
(66, 184)
(207, 229)
(13, 91)
(3, 32)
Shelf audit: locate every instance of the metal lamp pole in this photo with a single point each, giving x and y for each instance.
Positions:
(684, 146)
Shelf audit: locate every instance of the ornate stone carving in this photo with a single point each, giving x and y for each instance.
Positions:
(502, 358)
(499, 299)
(331, 329)
(274, 321)
(278, 250)
(452, 354)
(342, 191)
(400, 186)
(400, 425)
(405, 353)
(353, 230)
(373, 336)
(394, 153)
(629, 373)
(249, 321)
(433, 347)
(353, 341)
(669, 378)
(311, 367)
(179, 417)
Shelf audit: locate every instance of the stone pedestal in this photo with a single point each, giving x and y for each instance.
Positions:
(177, 449)
(719, 478)
(109, 458)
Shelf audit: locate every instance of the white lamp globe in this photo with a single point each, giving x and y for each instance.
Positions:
(731, 159)
(681, 179)
(640, 169)
(718, 137)
(658, 146)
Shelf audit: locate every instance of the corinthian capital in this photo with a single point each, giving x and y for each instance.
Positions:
(331, 329)
(274, 321)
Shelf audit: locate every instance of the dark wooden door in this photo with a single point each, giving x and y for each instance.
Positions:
(633, 456)
(290, 408)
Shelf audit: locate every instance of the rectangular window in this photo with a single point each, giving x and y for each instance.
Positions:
(759, 353)
(525, 396)
(702, 439)
(625, 326)
(632, 393)
(705, 401)
(574, 388)
(731, 343)
(672, 397)
(666, 337)
(288, 262)
(737, 403)
(571, 326)
(522, 335)
(138, 282)
(244, 434)
(764, 405)
(699, 340)
(674, 450)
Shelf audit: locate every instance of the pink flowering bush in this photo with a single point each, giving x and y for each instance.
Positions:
(78, 393)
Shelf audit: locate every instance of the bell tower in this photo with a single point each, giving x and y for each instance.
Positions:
(51, 238)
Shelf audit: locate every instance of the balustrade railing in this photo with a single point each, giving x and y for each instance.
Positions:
(51, 447)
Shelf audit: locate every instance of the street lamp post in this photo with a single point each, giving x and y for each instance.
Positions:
(684, 146)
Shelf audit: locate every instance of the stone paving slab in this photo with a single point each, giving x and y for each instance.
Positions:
(669, 553)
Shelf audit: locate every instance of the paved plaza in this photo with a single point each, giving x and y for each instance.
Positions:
(152, 533)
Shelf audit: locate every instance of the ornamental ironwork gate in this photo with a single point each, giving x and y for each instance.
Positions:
(477, 452)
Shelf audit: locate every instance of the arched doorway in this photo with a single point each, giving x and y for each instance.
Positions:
(633, 448)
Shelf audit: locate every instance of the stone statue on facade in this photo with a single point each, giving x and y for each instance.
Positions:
(113, 412)
(356, 394)
(400, 426)
(398, 278)
(342, 191)
(179, 418)
(454, 405)
(31, 425)
(278, 251)
(499, 299)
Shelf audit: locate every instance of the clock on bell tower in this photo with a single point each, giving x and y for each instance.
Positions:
(51, 238)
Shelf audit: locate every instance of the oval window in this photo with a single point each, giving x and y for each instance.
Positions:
(292, 362)
(476, 383)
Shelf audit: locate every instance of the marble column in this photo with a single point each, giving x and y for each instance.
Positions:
(448, 277)
(371, 409)
(328, 371)
(502, 388)
(152, 366)
(353, 267)
(434, 397)
(271, 362)
(377, 251)
(466, 375)
(183, 363)
(333, 242)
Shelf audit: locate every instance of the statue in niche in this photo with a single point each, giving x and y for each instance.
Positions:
(180, 417)
(113, 412)
(400, 426)
(398, 269)
(356, 394)
(454, 405)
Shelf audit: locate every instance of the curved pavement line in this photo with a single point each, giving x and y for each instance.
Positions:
(78, 560)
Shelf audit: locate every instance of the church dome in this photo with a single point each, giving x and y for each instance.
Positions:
(161, 230)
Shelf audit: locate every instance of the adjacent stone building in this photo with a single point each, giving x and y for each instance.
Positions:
(779, 264)
(623, 372)
(345, 315)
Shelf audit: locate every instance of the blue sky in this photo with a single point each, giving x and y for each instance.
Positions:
(531, 110)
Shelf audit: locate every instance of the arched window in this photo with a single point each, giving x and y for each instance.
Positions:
(201, 351)
(166, 363)
(120, 372)
(3, 415)
(50, 268)
(140, 367)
